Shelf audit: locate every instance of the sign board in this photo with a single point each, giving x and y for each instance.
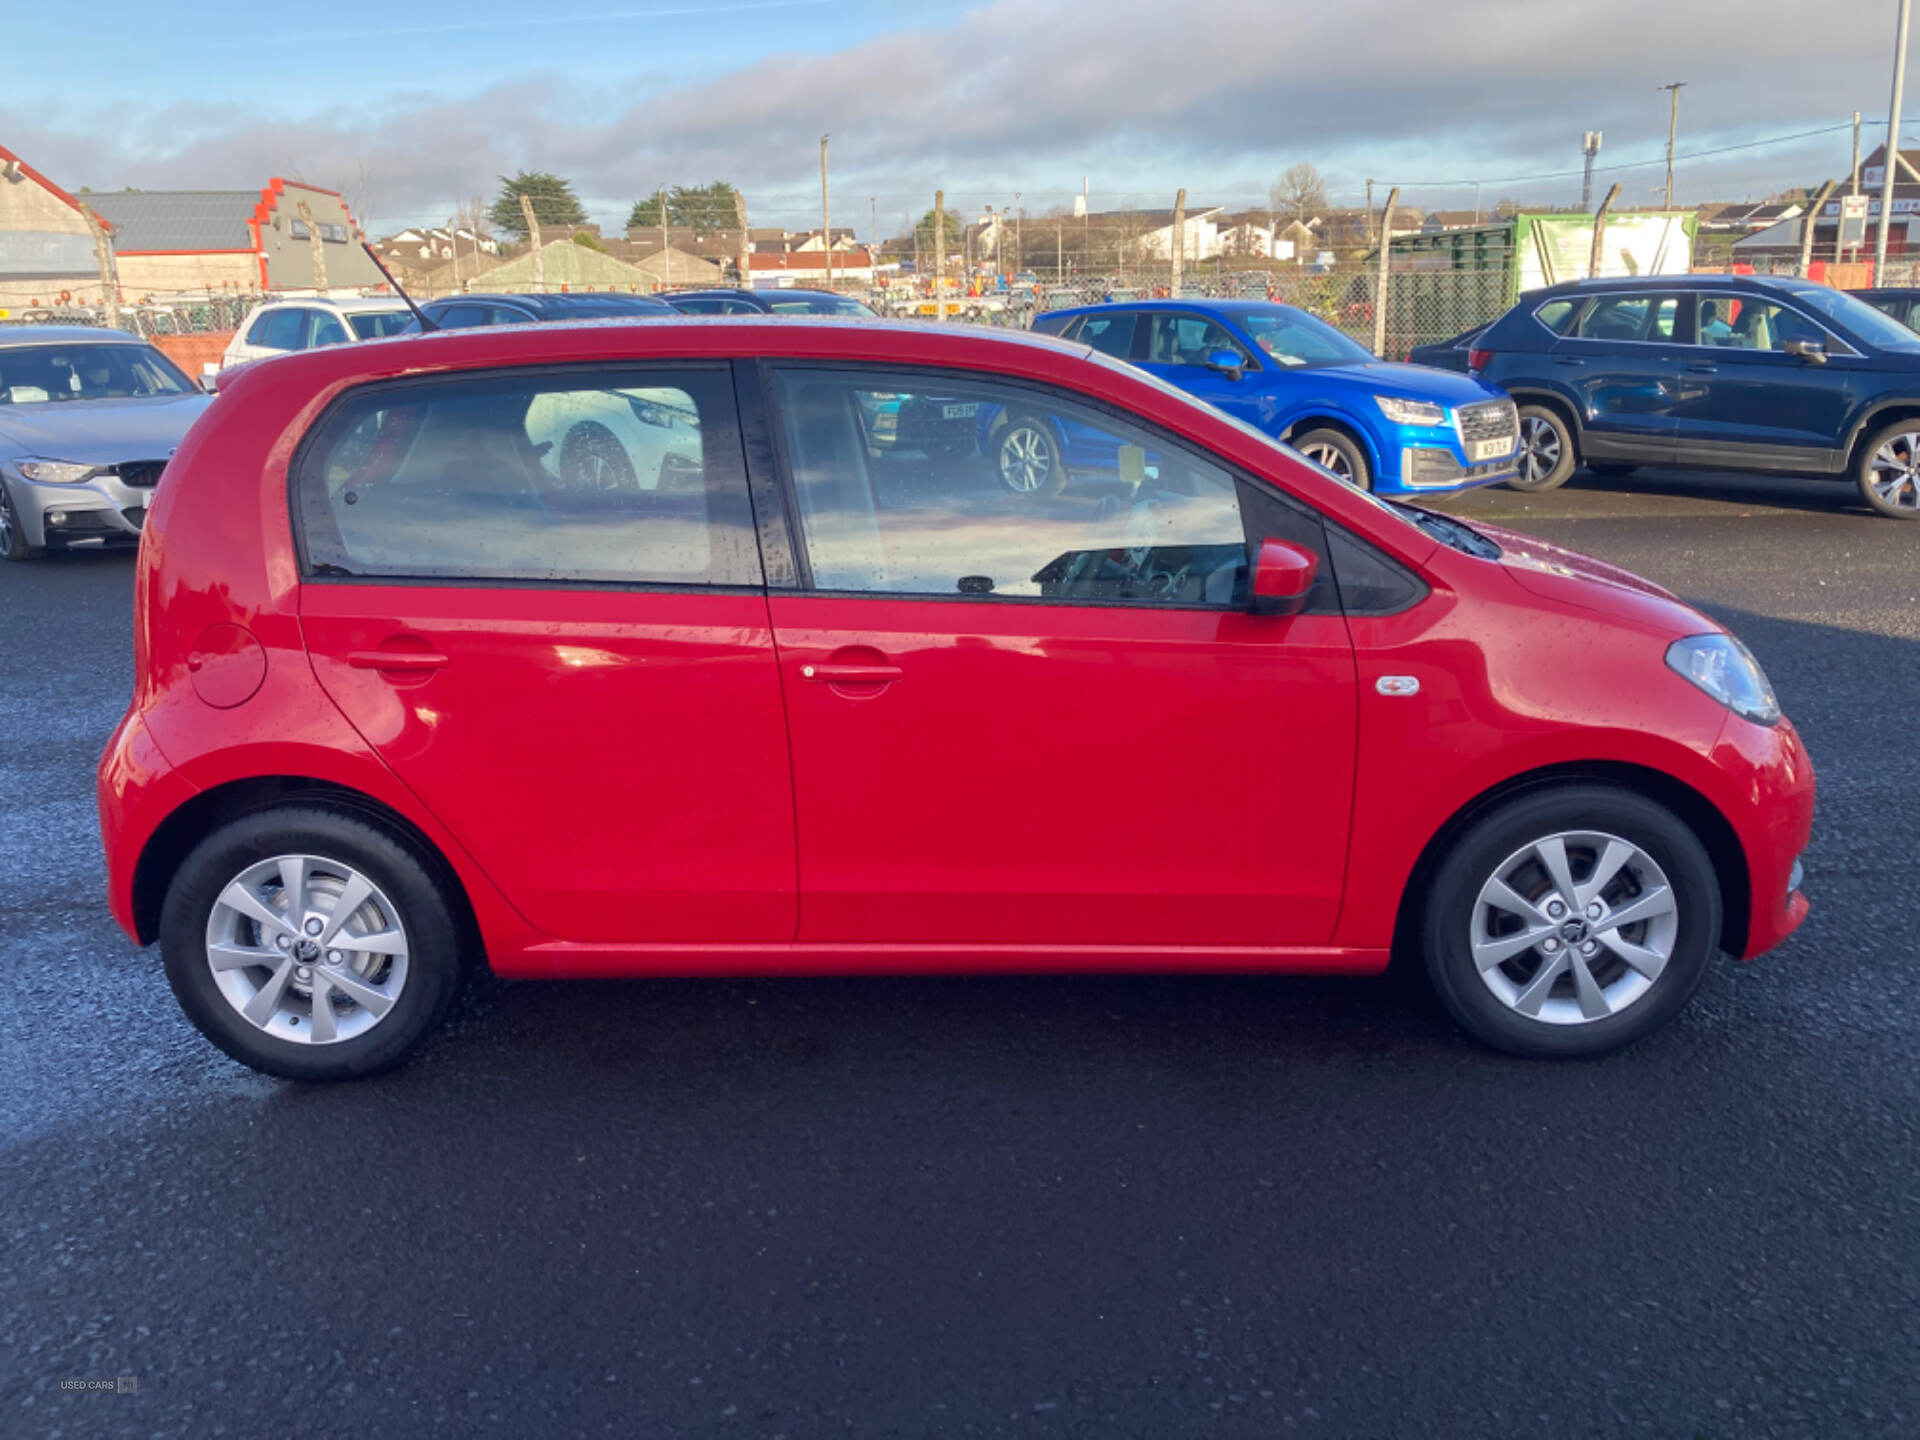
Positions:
(1874, 176)
(1853, 219)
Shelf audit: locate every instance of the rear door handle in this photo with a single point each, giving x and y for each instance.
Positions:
(1567, 360)
(1701, 367)
(850, 674)
(420, 660)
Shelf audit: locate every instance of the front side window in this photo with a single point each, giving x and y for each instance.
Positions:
(378, 324)
(460, 317)
(1639, 318)
(632, 477)
(1744, 322)
(1000, 491)
(1179, 339)
(283, 329)
(327, 330)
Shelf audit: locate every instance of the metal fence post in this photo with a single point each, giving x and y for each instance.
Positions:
(1806, 228)
(533, 238)
(939, 255)
(109, 271)
(1177, 245)
(1597, 253)
(746, 241)
(313, 244)
(1380, 281)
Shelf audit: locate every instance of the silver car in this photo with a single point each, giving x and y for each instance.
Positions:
(88, 420)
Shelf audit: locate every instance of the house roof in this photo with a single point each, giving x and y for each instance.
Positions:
(562, 263)
(809, 260)
(158, 220)
(13, 161)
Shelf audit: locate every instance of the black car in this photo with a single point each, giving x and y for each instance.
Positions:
(1901, 302)
(463, 312)
(1744, 372)
(784, 301)
(1451, 354)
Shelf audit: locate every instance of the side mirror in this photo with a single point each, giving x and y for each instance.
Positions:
(1814, 352)
(1283, 575)
(1224, 362)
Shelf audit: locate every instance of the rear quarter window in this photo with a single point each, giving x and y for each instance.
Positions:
(1558, 315)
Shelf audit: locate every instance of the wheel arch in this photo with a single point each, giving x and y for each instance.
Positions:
(1694, 809)
(1552, 400)
(190, 823)
(1353, 429)
(1873, 421)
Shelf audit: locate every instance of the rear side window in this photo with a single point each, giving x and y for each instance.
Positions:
(1052, 324)
(1630, 317)
(627, 477)
(1110, 334)
(1556, 315)
(279, 330)
(327, 330)
(461, 317)
(378, 324)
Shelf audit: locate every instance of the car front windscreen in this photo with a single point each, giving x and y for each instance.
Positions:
(47, 374)
(378, 324)
(1298, 341)
(1859, 318)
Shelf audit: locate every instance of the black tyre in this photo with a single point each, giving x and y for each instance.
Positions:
(1027, 458)
(1571, 921)
(1337, 451)
(1887, 471)
(1547, 451)
(13, 539)
(592, 459)
(311, 944)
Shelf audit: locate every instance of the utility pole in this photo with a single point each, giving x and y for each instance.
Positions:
(1673, 129)
(1590, 148)
(940, 255)
(1807, 224)
(873, 229)
(1178, 249)
(1018, 254)
(1853, 185)
(1380, 283)
(1369, 211)
(109, 268)
(666, 244)
(826, 220)
(314, 244)
(533, 238)
(1476, 202)
(745, 262)
(1893, 145)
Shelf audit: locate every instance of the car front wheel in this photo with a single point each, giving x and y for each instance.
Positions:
(1888, 471)
(1571, 922)
(310, 944)
(1338, 453)
(1547, 454)
(13, 538)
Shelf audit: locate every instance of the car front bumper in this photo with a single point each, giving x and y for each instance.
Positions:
(98, 512)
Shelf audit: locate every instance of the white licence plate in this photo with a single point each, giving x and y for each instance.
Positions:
(959, 412)
(1489, 449)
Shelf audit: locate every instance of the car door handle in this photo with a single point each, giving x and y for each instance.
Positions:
(418, 660)
(1701, 367)
(850, 674)
(1567, 360)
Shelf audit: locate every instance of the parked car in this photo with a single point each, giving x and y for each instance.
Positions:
(785, 301)
(88, 420)
(1741, 372)
(1390, 428)
(467, 312)
(1901, 302)
(1453, 353)
(280, 326)
(405, 700)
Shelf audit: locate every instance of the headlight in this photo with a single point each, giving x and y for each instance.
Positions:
(1726, 670)
(1411, 412)
(53, 472)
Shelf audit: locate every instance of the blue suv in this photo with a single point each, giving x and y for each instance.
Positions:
(1390, 428)
(1721, 372)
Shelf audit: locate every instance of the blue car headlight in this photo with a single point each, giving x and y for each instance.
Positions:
(1411, 412)
(1726, 670)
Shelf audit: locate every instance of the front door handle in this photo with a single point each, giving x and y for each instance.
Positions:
(1567, 360)
(1701, 367)
(850, 674)
(413, 660)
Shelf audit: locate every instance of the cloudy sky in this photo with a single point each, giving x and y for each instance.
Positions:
(411, 108)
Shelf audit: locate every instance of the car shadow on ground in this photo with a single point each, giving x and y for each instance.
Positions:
(1827, 495)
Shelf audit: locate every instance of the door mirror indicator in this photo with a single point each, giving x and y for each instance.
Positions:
(1225, 362)
(1283, 575)
(1814, 352)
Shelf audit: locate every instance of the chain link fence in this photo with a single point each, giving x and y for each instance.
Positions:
(150, 319)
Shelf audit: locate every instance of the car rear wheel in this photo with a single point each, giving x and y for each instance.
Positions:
(1888, 471)
(1547, 454)
(310, 944)
(1027, 457)
(1338, 453)
(1571, 922)
(13, 538)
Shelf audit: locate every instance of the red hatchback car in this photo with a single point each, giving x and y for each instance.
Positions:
(643, 648)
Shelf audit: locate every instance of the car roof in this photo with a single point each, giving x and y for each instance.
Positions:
(56, 334)
(351, 302)
(1230, 308)
(604, 300)
(1785, 283)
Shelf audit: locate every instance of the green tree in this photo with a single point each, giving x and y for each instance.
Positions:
(554, 202)
(697, 207)
(923, 233)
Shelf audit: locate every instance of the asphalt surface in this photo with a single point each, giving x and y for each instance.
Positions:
(1057, 1206)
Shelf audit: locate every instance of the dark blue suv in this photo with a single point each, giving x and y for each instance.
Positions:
(1713, 371)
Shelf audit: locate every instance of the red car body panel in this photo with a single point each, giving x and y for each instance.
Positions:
(1010, 801)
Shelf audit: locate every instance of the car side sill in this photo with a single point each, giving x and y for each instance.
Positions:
(569, 960)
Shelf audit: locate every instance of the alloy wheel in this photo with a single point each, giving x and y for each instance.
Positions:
(1574, 928)
(307, 949)
(1026, 458)
(1331, 458)
(1539, 449)
(7, 523)
(1895, 472)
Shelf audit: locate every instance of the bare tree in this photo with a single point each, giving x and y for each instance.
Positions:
(1299, 194)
